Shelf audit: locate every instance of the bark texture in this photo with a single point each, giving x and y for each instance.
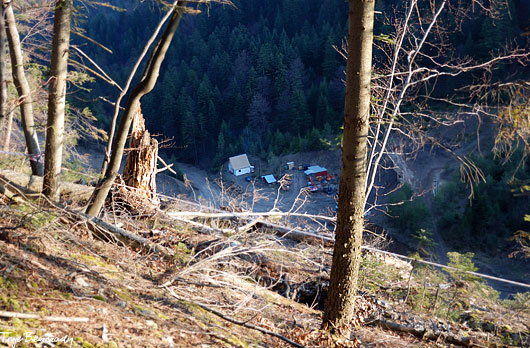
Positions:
(3, 75)
(350, 222)
(23, 90)
(7, 132)
(6, 113)
(57, 98)
(140, 168)
(145, 86)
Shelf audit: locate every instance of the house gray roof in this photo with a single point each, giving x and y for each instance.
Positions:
(239, 162)
(270, 179)
(314, 169)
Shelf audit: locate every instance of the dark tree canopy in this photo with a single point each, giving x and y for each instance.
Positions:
(280, 50)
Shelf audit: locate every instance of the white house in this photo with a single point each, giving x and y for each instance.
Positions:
(239, 165)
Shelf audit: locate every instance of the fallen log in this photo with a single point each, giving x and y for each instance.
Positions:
(203, 227)
(423, 333)
(125, 236)
(34, 184)
(297, 234)
(223, 214)
(6, 314)
(15, 192)
(281, 231)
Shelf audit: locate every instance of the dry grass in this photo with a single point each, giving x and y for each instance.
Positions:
(133, 298)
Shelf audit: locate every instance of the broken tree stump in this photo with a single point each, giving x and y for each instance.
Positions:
(140, 168)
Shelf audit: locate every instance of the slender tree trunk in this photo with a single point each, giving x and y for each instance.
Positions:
(6, 115)
(3, 79)
(350, 222)
(57, 98)
(23, 90)
(145, 86)
(117, 105)
(7, 132)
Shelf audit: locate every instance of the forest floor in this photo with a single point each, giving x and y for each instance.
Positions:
(217, 287)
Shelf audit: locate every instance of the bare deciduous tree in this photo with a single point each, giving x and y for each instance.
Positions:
(412, 61)
(57, 97)
(145, 85)
(5, 114)
(23, 90)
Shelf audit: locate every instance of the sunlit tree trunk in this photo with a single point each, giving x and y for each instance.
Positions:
(3, 78)
(57, 97)
(23, 90)
(350, 221)
(145, 86)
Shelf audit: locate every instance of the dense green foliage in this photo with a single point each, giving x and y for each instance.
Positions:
(493, 214)
(486, 222)
(263, 78)
(410, 214)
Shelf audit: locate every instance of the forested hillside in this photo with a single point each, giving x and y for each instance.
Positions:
(416, 232)
(264, 77)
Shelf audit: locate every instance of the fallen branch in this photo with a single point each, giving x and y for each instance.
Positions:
(245, 214)
(213, 230)
(297, 234)
(166, 166)
(282, 231)
(427, 334)
(247, 227)
(122, 234)
(10, 194)
(234, 321)
(42, 317)
(17, 193)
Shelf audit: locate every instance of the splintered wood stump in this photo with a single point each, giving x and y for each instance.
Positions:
(140, 167)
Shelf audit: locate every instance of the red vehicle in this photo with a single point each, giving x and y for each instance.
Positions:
(311, 184)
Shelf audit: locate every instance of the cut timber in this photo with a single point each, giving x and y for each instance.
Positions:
(140, 168)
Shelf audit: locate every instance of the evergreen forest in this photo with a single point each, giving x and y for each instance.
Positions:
(263, 78)
(266, 78)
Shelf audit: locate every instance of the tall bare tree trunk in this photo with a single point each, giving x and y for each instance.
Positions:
(146, 84)
(23, 90)
(125, 89)
(350, 222)
(57, 98)
(6, 113)
(8, 128)
(3, 75)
